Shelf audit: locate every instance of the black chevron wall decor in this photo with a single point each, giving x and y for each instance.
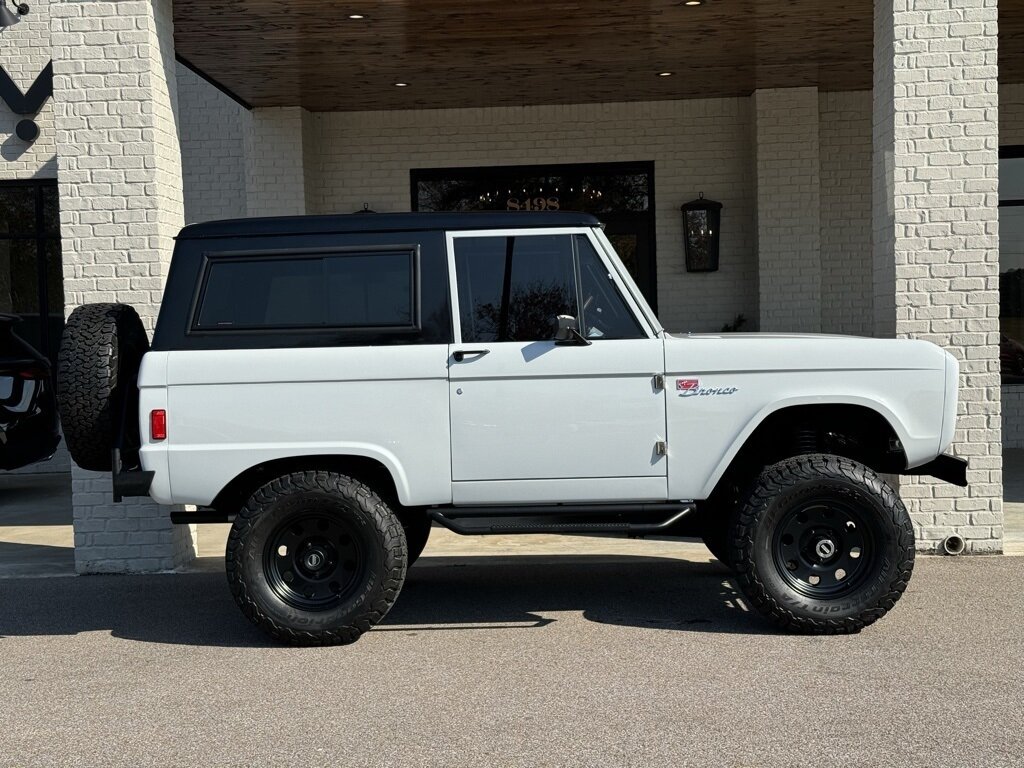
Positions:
(27, 103)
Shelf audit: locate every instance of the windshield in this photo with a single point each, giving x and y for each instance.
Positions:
(628, 281)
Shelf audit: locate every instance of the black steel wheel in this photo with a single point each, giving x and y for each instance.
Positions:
(315, 558)
(315, 561)
(822, 545)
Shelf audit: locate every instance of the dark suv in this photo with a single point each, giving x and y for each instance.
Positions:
(29, 430)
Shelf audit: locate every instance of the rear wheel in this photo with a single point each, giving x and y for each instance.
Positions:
(315, 558)
(416, 525)
(822, 545)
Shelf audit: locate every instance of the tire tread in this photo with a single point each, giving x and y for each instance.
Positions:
(370, 504)
(773, 481)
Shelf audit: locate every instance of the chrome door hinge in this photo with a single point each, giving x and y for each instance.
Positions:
(659, 382)
(661, 448)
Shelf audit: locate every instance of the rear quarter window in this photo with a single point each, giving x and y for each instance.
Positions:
(356, 289)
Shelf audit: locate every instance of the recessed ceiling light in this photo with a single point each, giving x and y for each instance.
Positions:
(401, 85)
(665, 74)
(694, 2)
(356, 16)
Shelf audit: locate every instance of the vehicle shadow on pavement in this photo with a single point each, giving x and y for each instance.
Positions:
(648, 592)
(446, 594)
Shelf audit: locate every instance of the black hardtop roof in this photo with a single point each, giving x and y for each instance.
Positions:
(385, 222)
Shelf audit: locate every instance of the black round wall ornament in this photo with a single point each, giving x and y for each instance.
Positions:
(27, 130)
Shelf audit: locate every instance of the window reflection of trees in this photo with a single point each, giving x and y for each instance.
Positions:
(529, 315)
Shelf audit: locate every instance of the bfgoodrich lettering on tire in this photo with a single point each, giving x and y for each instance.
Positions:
(822, 545)
(316, 558)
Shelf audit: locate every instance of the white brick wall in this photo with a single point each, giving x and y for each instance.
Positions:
(844, 131)
(212, 150)
(24, 52)
(936, 238)
(788, 209)
(697, 145)
(276, 163)
(119, 173)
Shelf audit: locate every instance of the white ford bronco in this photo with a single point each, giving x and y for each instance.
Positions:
(335, 385)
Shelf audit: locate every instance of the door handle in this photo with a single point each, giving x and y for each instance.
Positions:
(462, 354)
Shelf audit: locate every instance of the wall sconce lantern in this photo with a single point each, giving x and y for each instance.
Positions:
(9, 18)
(701, 232)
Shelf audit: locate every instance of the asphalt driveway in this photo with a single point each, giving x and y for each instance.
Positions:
(526, 660)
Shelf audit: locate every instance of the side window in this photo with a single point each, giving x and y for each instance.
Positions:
(367, 290)
(605, 313)
(357, 290)
(512, 288)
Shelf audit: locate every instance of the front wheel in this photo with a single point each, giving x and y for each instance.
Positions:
(822, 545)
(315, 558)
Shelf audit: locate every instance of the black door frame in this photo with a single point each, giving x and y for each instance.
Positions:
(495, 172)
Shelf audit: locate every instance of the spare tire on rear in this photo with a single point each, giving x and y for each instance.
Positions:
(97, 368)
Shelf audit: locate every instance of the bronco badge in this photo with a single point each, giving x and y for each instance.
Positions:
(692, 388)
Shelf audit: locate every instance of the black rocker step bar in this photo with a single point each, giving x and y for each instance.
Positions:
(631, 519)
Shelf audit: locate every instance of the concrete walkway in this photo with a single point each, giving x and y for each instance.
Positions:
(36, 536)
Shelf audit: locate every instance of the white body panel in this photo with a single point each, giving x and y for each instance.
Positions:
(230, 410)
(537, 411)
(904, 381)
(527, 422)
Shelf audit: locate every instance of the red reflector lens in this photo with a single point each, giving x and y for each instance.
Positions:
(158, 425)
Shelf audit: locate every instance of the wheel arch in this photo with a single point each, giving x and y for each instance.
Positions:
(387, 481)
(874, 436)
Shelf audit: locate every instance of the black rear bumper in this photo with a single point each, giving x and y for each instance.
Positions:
(128, 482)
(947, 468)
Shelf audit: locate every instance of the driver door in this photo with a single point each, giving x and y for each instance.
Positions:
(535, 419)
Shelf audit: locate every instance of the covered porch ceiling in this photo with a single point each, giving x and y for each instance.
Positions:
(477, 53)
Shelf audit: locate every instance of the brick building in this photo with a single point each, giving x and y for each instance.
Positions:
(855, 147)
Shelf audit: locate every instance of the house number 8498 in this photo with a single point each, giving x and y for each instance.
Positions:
(532, 204)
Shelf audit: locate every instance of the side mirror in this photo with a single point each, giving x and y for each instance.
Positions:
(564, 326)
(567, 332)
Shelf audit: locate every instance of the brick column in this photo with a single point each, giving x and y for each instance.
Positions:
(119, 173)
(788, 209)
(277, 155)
(936, 242)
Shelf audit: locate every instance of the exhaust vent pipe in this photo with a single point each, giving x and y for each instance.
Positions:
(954, 545)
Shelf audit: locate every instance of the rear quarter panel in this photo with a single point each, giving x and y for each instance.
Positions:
(229, 410)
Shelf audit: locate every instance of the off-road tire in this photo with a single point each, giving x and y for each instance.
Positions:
(780, 490)
(97, 370)
(349, 502)
(416, 524)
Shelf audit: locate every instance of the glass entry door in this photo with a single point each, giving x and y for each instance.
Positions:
(631, 237)
(621, 195)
